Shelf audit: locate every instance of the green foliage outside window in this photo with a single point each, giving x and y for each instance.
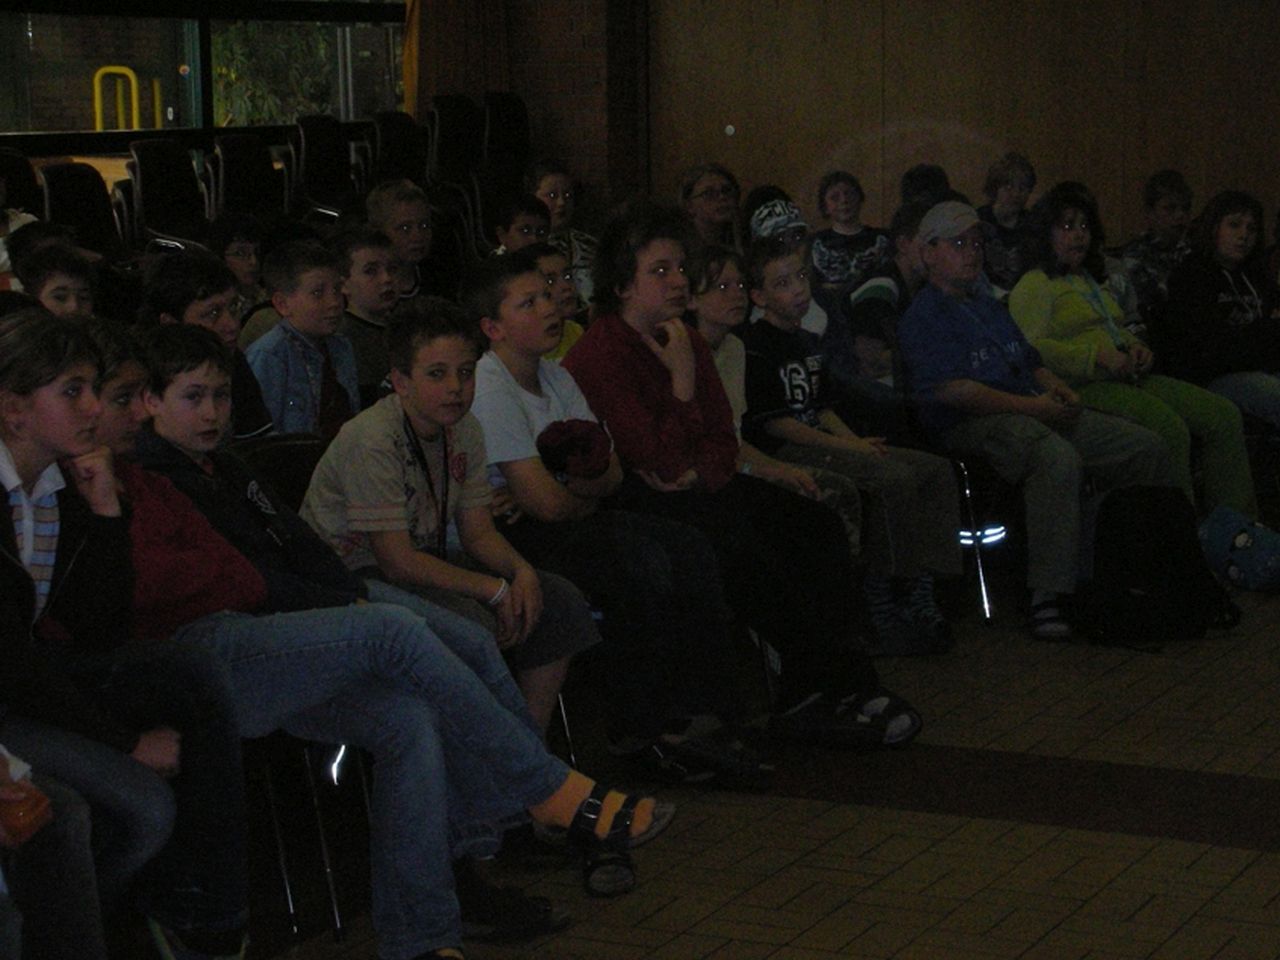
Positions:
(270, 73)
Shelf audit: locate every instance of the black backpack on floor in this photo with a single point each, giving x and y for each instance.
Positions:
(1151, 583)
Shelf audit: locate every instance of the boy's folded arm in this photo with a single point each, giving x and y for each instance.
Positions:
(406, 566)
(486, 546)
(543, 497)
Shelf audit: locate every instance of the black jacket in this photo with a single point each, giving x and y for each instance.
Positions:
(1218, 321)
(87, 613)
(301, 571)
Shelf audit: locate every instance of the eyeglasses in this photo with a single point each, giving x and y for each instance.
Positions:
(723, 287)
(212, 314)
(959, 243)
(726, 192)
(410, 225)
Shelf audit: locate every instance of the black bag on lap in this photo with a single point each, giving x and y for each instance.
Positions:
(1151, 583)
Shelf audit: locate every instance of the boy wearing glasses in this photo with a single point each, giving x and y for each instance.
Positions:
(522, 222)
(981, 388)
(570, 310)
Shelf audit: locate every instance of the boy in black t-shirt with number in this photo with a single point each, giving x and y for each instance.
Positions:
(912, 510)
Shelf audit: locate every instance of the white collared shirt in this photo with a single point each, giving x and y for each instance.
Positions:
(22, 505)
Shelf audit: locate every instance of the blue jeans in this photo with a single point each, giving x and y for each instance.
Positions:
(1255, 392)
(185, 837)
(133, 808)
(54, 884)
(453, 746)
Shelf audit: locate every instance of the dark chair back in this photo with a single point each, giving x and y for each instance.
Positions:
(325, 166)
(20, 181)
(399, 148)
(458, 147)
(167, 190)
(508, 146)
(75, 196)
(248, 181)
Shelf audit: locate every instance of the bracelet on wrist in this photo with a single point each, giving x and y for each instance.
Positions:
(501, 592)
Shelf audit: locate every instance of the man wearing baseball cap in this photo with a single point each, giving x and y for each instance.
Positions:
(982, 389)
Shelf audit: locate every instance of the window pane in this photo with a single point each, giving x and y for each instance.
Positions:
(271, 72)
(48, 61)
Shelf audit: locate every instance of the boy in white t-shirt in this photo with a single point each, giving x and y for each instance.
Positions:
(656, 581)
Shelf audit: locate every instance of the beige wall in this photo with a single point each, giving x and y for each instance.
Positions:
(1104, 91)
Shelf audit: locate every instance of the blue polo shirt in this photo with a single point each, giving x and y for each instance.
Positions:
(944, 338)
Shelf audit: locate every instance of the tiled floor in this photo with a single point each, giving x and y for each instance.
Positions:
(740, 877)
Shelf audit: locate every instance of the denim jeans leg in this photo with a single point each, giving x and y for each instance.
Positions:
(133, 808)
(199, 881)
(432, 803)
(54, 884)
(471, 643)
(414, 906)
(286, 663)
(1255, 392)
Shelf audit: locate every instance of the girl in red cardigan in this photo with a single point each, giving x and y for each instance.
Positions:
(784, 559)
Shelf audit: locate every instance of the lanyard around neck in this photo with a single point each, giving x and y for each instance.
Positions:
(1093, 296)
(440, 501)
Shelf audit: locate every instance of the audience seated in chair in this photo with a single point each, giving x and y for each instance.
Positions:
(1008, 186)
(236, 239)
(982, 389)
(399, 474)
(552, 183)
(454, 746)
(199, 289)
(709, 195)
(1150, 258)
(794, 412)
(146, 735)
(1219, 329)
(60, 278)
(784, 559)
(522, 222)
(849, 251)
(665, 622)
(554, 267)
(306, 368)
(401, 210)
(367, 260)
(10, 220)
(1077, 328)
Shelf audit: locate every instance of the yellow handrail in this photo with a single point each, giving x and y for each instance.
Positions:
(116, 70)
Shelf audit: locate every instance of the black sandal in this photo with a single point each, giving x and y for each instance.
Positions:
(607, 869)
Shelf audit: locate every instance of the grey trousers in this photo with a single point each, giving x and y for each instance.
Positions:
(1050, 464)
(911, 508)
